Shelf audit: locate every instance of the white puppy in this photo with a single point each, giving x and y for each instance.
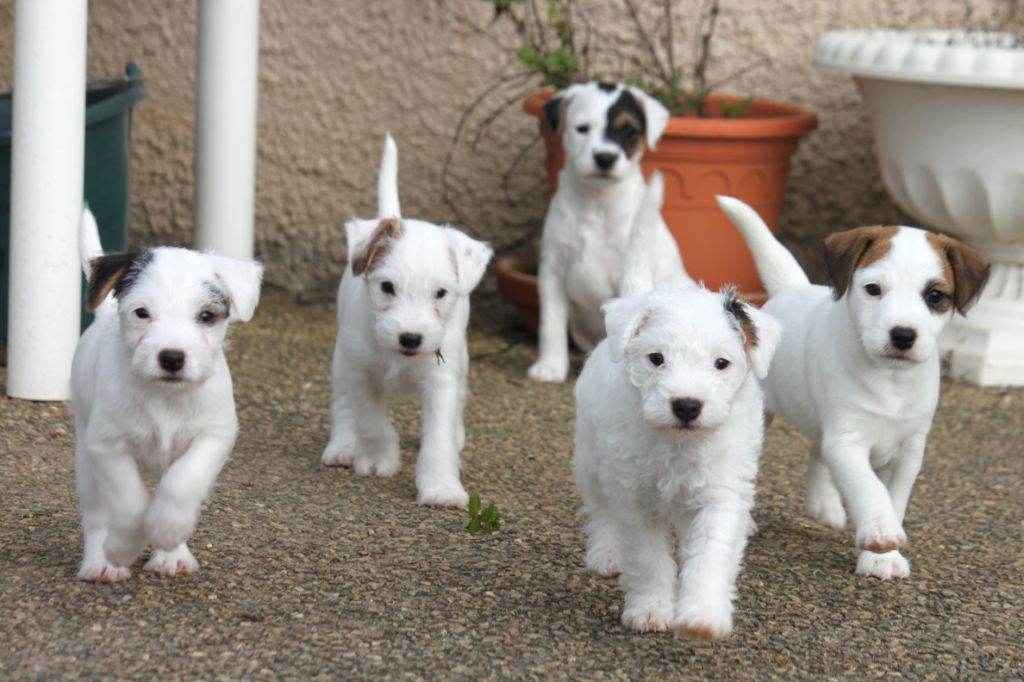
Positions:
(152, 397)
(604, 131)
(668, 435)
(403, 307)
(858, 373)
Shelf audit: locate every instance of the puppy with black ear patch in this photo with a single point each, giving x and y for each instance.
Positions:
(152, 399)
(858, 369)
(604, 131)
(403, 307)
(668, 437)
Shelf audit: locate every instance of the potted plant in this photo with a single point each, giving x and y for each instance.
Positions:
(946, 110)
(714, 144)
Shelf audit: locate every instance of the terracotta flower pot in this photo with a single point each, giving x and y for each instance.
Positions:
(517, 281)
(747, 158)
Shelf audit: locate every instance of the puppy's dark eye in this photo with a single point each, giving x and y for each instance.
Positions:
(142, 313)
(440, 293)
(206, 317)
(721, 363)
(934, 297)
(627, 130)
(584, 129)
(657, 359)
(388, 288)
(873, 289)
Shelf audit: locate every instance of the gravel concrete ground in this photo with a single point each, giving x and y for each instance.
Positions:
(311, 572)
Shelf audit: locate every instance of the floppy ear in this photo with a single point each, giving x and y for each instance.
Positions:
(114, 272)
(970, 272)
(554, 113)
(554, 109)
(761, 333)
(655, 113)
(241, 281)
(470, 258)
(843, 251)
(623, 319)
(369, 241)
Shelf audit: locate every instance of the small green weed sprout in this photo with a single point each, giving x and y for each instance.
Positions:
(487, 520)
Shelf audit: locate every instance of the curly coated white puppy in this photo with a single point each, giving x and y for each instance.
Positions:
(403, 307)
(604, 131)
(858, 372)
(152, 398)
(668, 436)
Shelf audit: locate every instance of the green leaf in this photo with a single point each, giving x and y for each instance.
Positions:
(737, 109)
(527, 55)
(491, 518)
(473, 525)
(474, 504)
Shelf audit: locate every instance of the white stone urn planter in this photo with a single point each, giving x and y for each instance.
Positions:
(947, 109)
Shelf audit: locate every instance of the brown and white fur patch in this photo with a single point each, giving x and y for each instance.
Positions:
(403, 307)
(858, 368)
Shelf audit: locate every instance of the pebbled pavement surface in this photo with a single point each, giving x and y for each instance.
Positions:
(310, 572)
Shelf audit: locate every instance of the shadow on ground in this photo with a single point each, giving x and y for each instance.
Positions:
(308, 571)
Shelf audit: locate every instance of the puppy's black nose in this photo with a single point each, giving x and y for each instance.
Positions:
(605, 160)
(410, 341)
(902, 337)
(687, 409)
(171, 360)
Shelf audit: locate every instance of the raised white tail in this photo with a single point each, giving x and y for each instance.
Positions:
(89, 245)
(387, 181)
(638, 267)
(775, 264)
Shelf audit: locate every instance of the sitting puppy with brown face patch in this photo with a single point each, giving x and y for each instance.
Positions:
(857, 371)
(403, 307)
(604, 131)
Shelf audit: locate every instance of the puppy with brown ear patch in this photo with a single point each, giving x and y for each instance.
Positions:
(152, 399)
(857, 371)
(403, 307)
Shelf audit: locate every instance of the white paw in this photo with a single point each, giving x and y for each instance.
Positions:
(442, 493)
(647, 616)
(103, 572)
(549, 371)
(378, 465)
(703, 621)
(887, 566)
(881, 536)
(603, 560)
(167, 524)
(177, 562)
(827, 510)
(338, 454)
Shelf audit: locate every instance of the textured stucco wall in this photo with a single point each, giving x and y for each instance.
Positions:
(336, 74)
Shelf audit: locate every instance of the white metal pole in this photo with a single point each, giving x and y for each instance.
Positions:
(48, 144)
(225, 145)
